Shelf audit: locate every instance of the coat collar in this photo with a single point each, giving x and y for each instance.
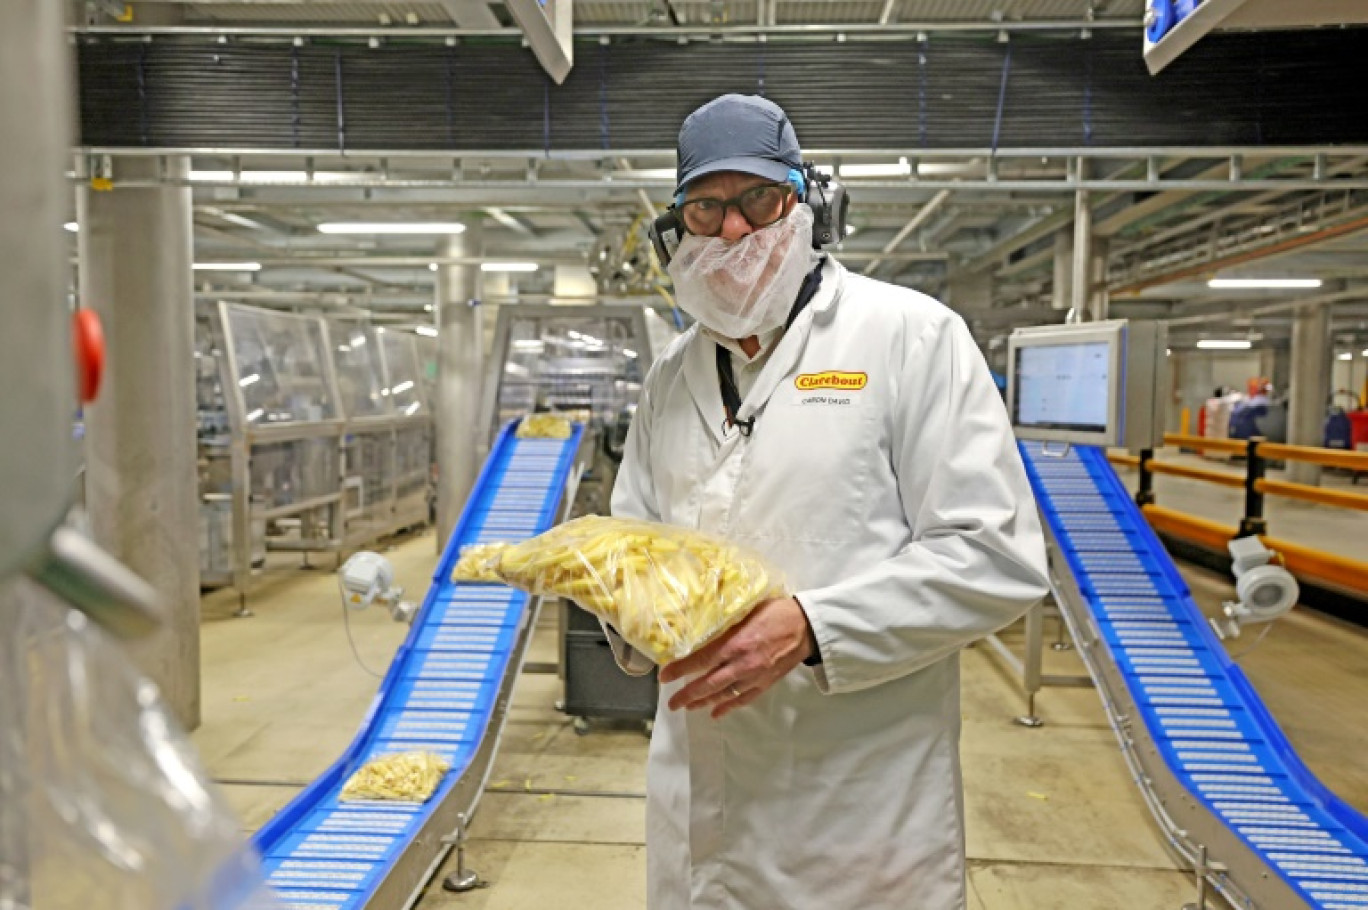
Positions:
(700, 365)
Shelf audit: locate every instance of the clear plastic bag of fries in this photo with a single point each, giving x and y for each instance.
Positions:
(407, 776)
(544, 426)
(668, 591)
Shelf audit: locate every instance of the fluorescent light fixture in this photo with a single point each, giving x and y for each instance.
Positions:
(949, 168)
(391, 227)
(344, 348)
(227, 266)
(647, 173)
(1365, 352)
(628, 352)
(253, 415)
(427, 330)
(358, 341)
(573, 334)
(850, 229)
(402, 387)
(432, 266)
(1243, 284)
(901, 168)
(276, 177)
(412, 409)
(508, 266)
(529, 344)
(1224, 344)
(1346, 356)
(71, 227)
(427, 308)
(245, 381)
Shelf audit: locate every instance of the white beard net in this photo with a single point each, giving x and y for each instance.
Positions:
(747, 287)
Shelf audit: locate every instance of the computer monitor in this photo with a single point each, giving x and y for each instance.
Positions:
(1094, 383)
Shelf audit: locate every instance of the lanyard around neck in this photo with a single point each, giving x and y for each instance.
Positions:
(726, 379)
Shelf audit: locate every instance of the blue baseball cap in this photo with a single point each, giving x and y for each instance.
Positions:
(743, 133)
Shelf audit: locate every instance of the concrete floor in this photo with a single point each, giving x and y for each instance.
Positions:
(1053, 819)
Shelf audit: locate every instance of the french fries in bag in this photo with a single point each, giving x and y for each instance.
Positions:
(478, 563)
(408, 776)
(668, 591)
(543, 426)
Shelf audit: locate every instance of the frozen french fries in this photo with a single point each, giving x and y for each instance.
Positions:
(478, 562)
(543, 426)
(667, 590)
(407, 776)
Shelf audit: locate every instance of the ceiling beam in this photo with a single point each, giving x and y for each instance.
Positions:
(924, 213)
(471, 14)
(993, 257)
(513, 222)
(1266, 251)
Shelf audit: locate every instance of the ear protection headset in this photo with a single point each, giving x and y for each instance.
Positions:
(820, 192)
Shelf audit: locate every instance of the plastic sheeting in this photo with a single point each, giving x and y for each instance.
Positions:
(103, 801)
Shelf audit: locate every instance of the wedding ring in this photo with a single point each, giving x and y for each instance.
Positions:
(732, 690)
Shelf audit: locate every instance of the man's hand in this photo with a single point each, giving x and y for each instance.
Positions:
(739, 667)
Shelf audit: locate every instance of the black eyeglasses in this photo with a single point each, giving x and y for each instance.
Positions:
(761, 206)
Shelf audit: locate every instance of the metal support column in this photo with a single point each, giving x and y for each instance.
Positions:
(1144, 496)
(1082, 248)
(136, 247)
(1253, 523)
(1099, 298)
(1061, 295)
(37, 457)
(1309, 387)
(460, 350)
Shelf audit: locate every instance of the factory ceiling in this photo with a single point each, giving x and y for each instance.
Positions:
(940, 220)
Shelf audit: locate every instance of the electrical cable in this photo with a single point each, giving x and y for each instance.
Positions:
(1268, 627)
(346, 623)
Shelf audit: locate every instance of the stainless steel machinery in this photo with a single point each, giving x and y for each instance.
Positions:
(314, 436)
(387, 448)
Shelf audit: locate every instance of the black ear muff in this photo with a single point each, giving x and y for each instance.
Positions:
(665, 232)
(827, 198)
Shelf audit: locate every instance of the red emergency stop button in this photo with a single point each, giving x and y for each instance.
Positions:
(88, 337)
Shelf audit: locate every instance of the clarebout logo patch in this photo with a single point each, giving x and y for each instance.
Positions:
(831, 379)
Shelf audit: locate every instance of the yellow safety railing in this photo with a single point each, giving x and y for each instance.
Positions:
(1342, 498)
(1330, 458)
(1302, 561)
(1222, 478)
(1206, 443)
(1315, 565)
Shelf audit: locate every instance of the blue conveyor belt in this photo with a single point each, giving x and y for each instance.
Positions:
(438, 696)
(1209, 724)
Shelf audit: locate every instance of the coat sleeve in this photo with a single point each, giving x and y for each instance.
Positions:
(634, 497)
(976, 557)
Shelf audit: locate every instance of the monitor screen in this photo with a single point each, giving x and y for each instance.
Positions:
(1063, 386)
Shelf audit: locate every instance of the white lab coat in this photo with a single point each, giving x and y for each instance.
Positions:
(902, 517)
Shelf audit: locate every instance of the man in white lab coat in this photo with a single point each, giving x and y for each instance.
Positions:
(849, 431)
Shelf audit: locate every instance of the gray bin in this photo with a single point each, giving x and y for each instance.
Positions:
(594, 684)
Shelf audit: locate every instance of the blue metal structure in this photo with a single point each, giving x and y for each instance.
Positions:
(444, 693)
(1275, 836)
